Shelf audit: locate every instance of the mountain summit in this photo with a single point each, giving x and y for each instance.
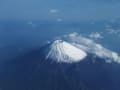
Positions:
(64, 52)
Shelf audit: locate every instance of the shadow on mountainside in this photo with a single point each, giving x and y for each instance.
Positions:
(31, 71)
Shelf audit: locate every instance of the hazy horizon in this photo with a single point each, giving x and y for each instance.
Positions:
(51, 10)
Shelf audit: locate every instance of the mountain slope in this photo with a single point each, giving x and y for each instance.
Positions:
(34, 70)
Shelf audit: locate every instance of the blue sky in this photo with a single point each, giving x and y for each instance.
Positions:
(68, 10)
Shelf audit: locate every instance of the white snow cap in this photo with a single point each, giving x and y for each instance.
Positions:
(64, 52)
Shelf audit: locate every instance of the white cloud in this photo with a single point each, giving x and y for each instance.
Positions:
(95, 35)
(59, 19)
(31, 24)
(48, 42)
(90, 46)
(113, 31)
(74, 34)
(53, 10)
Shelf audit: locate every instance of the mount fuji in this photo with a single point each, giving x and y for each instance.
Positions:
(58, 65)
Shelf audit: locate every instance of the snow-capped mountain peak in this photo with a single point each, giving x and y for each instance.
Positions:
(62, 51)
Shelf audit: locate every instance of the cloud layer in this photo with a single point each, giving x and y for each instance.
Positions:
(96, 35)
(90, 46)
